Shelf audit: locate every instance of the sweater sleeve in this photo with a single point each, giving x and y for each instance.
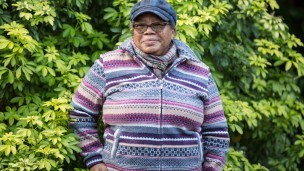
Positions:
(215, 136)
(87, 102)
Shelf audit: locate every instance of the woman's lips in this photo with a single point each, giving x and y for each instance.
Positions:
(150, 41)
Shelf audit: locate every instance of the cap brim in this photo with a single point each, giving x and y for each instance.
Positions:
(160, 15)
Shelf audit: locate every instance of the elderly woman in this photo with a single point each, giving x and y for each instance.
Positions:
(160, 105)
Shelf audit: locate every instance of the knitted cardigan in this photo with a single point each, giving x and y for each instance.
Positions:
(173, 123)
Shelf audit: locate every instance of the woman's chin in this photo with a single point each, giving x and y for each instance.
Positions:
(151, 50)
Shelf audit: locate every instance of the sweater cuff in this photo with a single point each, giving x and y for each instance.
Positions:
(213, 166)
(92, 160)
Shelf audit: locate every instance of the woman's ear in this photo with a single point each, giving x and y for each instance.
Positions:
(173, 32)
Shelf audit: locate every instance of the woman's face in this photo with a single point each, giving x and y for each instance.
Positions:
(151, 42)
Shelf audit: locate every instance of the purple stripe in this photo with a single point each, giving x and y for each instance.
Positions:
(147, 135)
(215, 99)
(179, 76)
(209, 168)
(225, 129)
(198, 88)
(132, 117)
(128, 76)
(151, 142)
(194, 69)
(75, 113)
(217, 116)
(120, 63)
(121, 79)
(110, 137)
(88, 132)
(109, 131)
(181, 121)
(123, 65)
(91, 147)
(215, 157)
(222, 135)
(132, 102)
(124, 169)
(86, 102)
(87, 84)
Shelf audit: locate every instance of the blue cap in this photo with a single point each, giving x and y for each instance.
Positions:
(160, 8)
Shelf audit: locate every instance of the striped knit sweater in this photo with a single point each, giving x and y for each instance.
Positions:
(173, 123)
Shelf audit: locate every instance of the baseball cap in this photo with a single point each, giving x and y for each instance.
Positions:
(161, 8)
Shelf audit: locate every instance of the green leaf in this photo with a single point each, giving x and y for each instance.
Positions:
(13, 150)
(110, 13)
(87, 27)
(76, 148)
(278, 63)
(51, 71)
(11, 77)
(4, 43)
(3, 127)
(44, 71)
(18, 73)
(19, 100)
(7, 150)
(3, 70)
(288, 65)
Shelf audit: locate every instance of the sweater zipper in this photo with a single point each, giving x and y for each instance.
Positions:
(161, 109)
(161, 121)
(161, 100)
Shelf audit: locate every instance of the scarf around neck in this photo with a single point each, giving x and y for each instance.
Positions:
(159, 64)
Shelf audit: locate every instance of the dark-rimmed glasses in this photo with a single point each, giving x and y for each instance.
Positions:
(142, 27)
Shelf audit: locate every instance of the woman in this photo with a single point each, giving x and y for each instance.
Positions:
(159, 103)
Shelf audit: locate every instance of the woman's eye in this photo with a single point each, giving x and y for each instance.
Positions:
(157, 25)
(140, 25)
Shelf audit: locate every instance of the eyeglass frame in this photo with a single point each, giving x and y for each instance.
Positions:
(151, 26)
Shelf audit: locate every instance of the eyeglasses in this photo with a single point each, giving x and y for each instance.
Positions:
(157, 27)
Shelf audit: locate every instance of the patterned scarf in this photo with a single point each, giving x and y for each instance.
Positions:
(159, 64)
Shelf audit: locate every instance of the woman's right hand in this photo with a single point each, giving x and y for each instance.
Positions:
(99, 167)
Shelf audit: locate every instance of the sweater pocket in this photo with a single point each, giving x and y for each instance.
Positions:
(200, 146)
(115, 143)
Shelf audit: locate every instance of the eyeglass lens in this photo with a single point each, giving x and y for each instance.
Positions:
(157, 27)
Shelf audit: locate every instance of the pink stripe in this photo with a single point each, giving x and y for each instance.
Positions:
(92, 88)
(85, 102)
(84, 133)
(183, 105)
(122, 65)
(213, 100)
(214, 117)
(216, 157)
(132, 101)
(110, 166)
(180, 121)
(92, 146)
(120, 50)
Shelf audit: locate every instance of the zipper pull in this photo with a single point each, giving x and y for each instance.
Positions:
(161, 84)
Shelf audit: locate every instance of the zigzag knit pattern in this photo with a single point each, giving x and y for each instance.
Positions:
(174, 123)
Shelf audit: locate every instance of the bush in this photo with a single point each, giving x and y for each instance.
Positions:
(46, 47)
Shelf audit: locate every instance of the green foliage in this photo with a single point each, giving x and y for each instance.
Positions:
(46, 47)
(238, 162)
(36, 136)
